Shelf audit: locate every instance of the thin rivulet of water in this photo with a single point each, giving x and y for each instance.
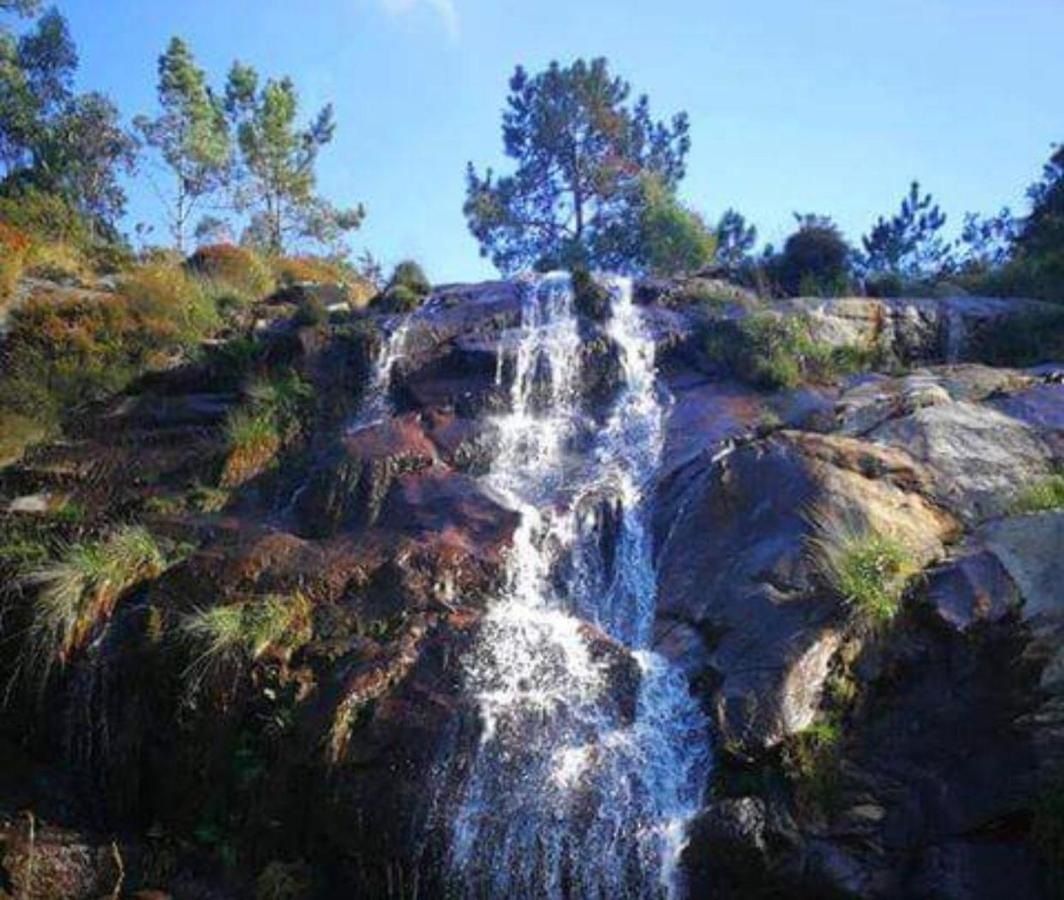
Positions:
(377, 405)
(592, 755)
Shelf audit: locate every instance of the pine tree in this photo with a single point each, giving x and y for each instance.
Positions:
(191, 135)
(581, 152)
(278, 159)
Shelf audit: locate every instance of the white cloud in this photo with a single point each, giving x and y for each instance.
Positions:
(445, 9)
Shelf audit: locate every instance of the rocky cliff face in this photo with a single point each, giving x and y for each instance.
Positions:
(320, 759)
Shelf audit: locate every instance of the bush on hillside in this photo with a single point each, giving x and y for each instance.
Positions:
(774, 351)
(815, 259)
(410, 275)
(673, 238)
(234, 267)
(14, 246)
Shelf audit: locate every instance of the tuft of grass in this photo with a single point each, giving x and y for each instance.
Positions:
(866, 569)
(253, 440)
(1042, 496)
(79, 589)
(226, 636)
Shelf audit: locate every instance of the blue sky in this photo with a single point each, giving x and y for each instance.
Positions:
(830, 106)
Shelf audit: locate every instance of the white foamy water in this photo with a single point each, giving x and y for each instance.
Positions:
(377, 404)
(592, 753)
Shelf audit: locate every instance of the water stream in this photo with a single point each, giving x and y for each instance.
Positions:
(592, 751)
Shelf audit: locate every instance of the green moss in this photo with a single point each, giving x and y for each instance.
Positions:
(811, 760)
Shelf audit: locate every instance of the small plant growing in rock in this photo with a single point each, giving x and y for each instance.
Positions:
(229, 635)
(1042, 496)
(252, 439)
(79, 589)
(866, 569)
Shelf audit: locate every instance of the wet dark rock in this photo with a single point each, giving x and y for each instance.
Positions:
(348, 490)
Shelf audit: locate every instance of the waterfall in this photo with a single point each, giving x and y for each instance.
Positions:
(377, 404)
(592, 752)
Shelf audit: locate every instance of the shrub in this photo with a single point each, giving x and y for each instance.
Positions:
(399, 299)
(79, 590)
(1023, 339)
(14, 247)
(774, 351)
(60, 263)
(311, 312)
(233, 267)
(293, 270)
(46, 218)
(815, 259)
(227, 636)
(253, 441)
(1042, 496)
(869, 571)
(62, 351)
(410, 275)
(673, 239)
(168, 296)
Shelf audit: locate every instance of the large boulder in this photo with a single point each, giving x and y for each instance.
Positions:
(734, 566)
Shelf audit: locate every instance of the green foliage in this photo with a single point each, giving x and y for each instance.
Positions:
(55, 140)
(79, 589)
(227, 636)
(191, 134)
(775, 351)
(1041, 496)
(1023, 339)
(278, 159)
(311, 312)
(815, 259)
(867, 570)
(407, 289)
(580, 151)
(252, 440)
(908, 245)
(410, 275)
(236, 269)
(673, 239)
(735, 240)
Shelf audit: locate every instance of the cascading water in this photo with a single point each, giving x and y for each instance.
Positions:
(592, 752)
(377, 405)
